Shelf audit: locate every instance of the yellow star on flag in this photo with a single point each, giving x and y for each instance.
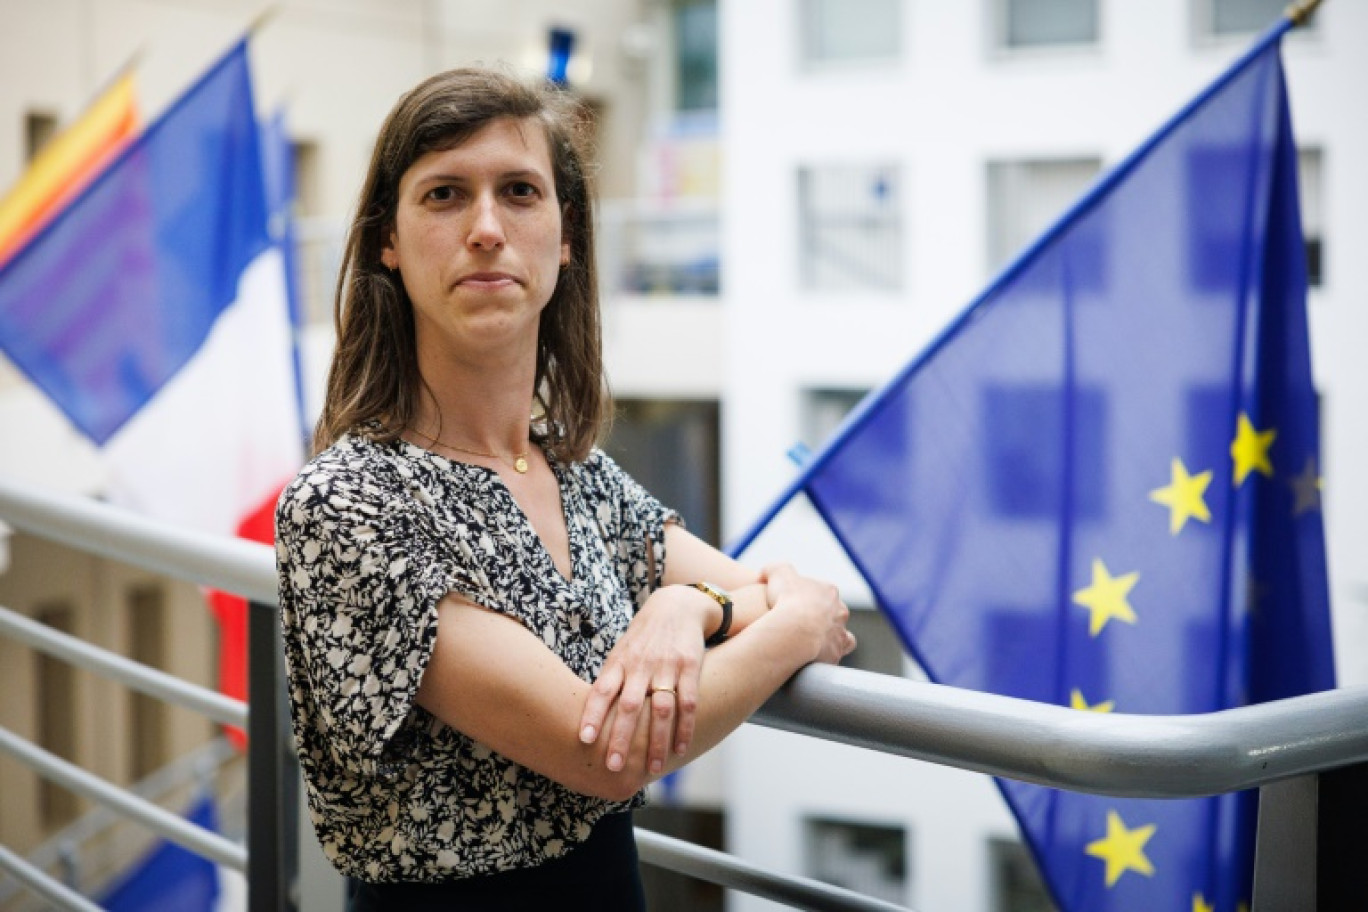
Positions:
(1123, 850)
(1199, 904)
(1306, 487)
(1249, 449)
(1183, 496)
(1106, 597)
(1076, 701)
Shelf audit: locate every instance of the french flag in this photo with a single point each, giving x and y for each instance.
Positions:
(152, 310)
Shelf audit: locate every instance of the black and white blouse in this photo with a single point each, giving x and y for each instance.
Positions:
(369, 538)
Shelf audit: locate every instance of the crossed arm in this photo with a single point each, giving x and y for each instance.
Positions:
(493, 680)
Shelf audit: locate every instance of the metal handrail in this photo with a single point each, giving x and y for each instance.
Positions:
(51, 889)
(200, 765)
(1183, 756)
(730, 871)
(230, 564)
(140, 677)
(1105, 753)
(154, 817)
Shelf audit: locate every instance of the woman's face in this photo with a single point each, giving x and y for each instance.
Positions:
(477, 240)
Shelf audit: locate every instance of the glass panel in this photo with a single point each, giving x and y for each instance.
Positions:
(1310, 183)
(147, 716)
(850, 30)
(308, 199)
(671, 891)
(1016, 882)
(672, 248)
(1033, 23)
(850, 228)
(1026, 197)
(867, 858)
(671, 447)
(39, 127)
(1235, 17)
(56, 717)
(878, 647)
(823, 410)
(696, 54)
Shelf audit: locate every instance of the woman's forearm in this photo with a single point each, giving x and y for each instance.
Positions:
(737, 678)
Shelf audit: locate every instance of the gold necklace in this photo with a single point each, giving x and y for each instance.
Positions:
(518, 461)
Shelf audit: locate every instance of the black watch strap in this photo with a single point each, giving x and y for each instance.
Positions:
(717, 595)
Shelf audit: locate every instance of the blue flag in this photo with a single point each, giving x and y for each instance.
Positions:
(1100, 487)
(152, 312)
(170, 878)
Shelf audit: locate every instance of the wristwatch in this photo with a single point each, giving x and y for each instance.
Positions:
(717, 595)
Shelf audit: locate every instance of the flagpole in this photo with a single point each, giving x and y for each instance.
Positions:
(262, 20)
(1298, 13)
(128, 66)
(1294, 15)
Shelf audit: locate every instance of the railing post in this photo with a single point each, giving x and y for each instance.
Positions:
(272, 798)
(1343, 843)
(1285, 847)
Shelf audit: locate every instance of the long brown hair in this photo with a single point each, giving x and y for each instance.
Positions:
(373, 383)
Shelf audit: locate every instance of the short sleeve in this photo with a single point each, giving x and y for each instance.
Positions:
(359, 591)
(641, 530)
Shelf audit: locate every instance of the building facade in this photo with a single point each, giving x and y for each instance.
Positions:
(883, 159)
(334, 68)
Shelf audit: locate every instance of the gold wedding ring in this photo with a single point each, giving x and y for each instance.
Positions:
(663, 690)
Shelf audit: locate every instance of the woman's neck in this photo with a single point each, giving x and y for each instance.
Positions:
(485, 405)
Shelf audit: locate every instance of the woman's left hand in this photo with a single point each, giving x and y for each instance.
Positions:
(657, 662)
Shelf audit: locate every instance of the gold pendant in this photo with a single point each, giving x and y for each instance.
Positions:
(520, 465)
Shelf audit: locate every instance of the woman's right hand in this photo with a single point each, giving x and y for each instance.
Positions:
(816, 606)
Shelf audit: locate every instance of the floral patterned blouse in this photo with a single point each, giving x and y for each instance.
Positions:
(369, 538)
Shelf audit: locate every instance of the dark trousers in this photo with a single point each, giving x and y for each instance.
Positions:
(599, 876)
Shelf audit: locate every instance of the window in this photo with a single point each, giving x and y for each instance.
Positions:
(1016, 884)
(39, 127)
(318, 241)
(695, 34)
(1026, 197)
(646, 249)
(867, 858)
(671, 448)
(849, 31)
(850, 228)
(56, 716)
(1046, 23)
(824, 410)
(1311, 181)
(308, 200)
(878, 647)
(672, 891)
(1218, 18)
(147, 716)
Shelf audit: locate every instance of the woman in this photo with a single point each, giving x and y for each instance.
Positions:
(495, 638)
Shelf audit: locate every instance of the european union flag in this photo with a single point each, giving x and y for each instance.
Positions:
(1101, 486)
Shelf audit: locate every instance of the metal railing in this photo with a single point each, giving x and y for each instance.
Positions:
(1287, 748)
(96, 849)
